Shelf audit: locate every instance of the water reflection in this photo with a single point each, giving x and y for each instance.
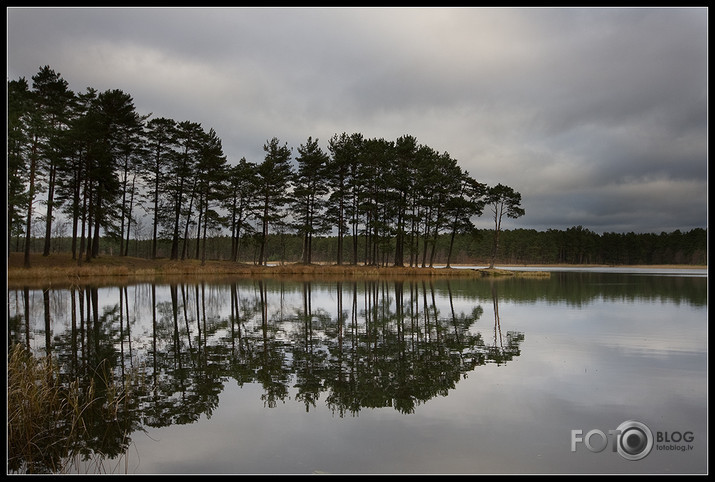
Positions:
(356, 345)
(348, 347)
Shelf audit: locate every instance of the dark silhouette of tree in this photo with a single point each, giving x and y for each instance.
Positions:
(345, 150)
(355, 189)
(36, 129)
(182, 176)
(52, 101)
(273, 180)
(466, 203)
(377, 154)
(90, 156)
(308, 194)
(402, 178)
(240, 200)
(18, 112)
(75, 185)
(132, 152)
(211, 176)
(161, 141)
(113, 112)
(441, 177)
(503, 200)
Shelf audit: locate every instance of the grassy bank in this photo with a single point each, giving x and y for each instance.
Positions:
(62, 269)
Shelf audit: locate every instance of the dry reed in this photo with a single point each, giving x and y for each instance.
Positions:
(46, 417)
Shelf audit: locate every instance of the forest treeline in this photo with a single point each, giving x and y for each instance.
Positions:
(156, 187)
(575, 245)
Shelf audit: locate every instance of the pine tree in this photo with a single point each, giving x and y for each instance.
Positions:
(504, 201)
(309, 192)
(161, 143)
(273, 181)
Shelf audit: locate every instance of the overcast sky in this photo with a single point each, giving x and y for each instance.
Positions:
(598, 117)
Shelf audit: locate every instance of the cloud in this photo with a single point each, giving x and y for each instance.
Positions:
(576, 108)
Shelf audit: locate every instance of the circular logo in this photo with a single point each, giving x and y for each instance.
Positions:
(634, 441)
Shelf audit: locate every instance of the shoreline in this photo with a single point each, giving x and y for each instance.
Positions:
(59, 268)
(566, 265)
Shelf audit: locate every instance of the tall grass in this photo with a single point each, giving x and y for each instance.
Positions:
(47, 426)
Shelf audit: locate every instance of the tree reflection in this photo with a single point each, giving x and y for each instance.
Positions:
(499, 352)
(375, 344)
(95, 416)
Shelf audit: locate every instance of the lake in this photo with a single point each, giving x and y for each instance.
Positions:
(588, 371)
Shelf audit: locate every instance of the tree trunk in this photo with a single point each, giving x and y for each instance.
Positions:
(50, 205)
(97, 223)
(264, 233)
(30, 200)
(177, 216)
(82, 231)
(340, 233)
(124, 211)
(451, 245)
(156, 216)
(201, 221)
(185, 249)
(497, 224)
(75, 214)
(203, 250)
(129, 217)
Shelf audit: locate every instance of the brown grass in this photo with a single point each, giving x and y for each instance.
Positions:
(60, 269)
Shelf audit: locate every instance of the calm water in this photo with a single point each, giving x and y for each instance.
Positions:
(502, 376)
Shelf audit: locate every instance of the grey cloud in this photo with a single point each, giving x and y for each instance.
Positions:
(597, 116)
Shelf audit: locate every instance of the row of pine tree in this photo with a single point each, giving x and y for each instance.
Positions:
(92, 159)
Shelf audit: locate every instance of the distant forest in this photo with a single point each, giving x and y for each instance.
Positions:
(519, 246)
(115, 182)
